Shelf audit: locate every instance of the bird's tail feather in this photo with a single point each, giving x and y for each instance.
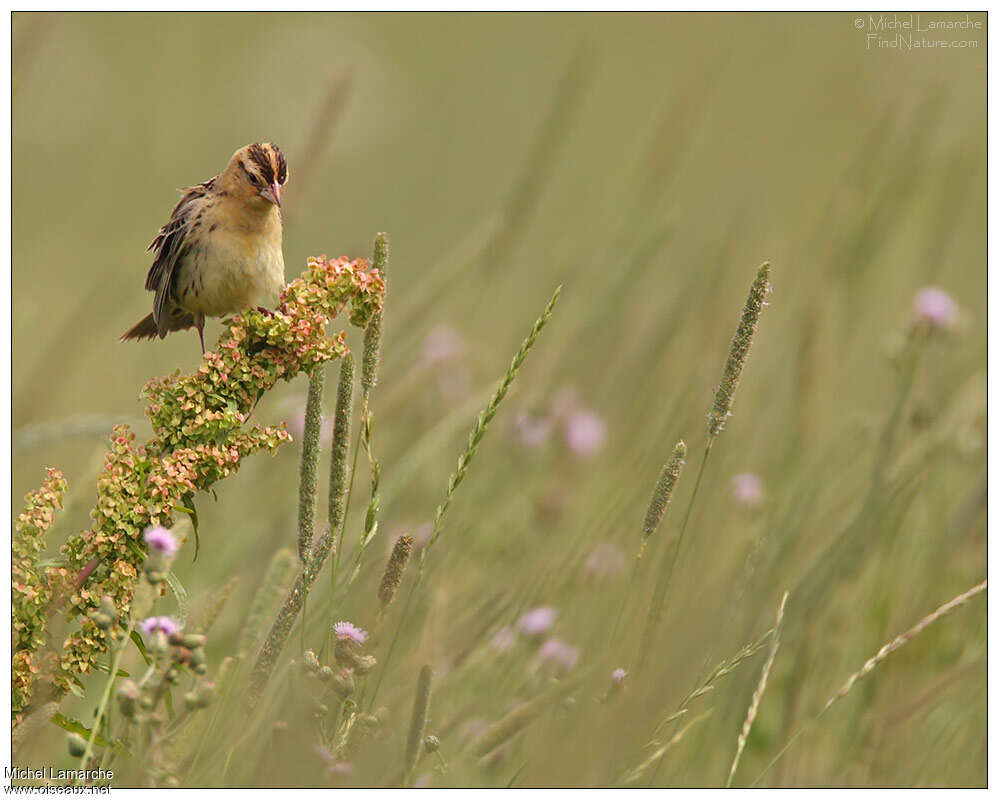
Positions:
(147, 329)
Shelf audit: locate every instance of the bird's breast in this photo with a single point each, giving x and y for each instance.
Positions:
(230, 270)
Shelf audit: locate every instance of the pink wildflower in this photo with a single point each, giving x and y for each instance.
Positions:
(585, 433)
(161, 540)
(349, 632)
(560, 653)
(538, 620)
(165, 625)
(936, 308)
(747, 489)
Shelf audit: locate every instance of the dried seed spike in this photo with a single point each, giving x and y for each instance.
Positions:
(310, 460)
(288, 613)
(725, 393)
(754, 705)
(394, 570)
(373, 332)
(339, 469)
(900, 640)
(663, 494)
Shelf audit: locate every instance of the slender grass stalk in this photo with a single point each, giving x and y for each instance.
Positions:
(285, 620)
(844, 554)
(474, 439)
(485, 417)
(659, 754)
(903, 639)
(141, 604)
(310, 461)
(374, 501)
(341, 476)
(707, 684)
(102, 707)
(871, 663)
(662, 496)
(418, 721)
(721, 410)
(664, 575)
(265, 601)
(370, 361)
(754, 706)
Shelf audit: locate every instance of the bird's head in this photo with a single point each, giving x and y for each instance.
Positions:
(256, 174)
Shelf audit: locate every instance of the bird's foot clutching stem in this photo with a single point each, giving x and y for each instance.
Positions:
(199, 323)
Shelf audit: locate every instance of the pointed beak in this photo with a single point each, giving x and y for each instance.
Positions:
(276, 193)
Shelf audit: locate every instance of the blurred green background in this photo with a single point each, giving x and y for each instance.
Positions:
(649, 163)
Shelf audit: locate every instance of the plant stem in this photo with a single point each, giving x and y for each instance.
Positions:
(656, 607)
(474, 439)
(102, 708)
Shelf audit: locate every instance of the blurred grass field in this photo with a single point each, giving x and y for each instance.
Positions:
(649, 164)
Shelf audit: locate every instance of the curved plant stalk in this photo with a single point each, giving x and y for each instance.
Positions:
(886, 650)
(474, 439)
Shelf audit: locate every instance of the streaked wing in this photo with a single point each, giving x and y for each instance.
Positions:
(169, 244)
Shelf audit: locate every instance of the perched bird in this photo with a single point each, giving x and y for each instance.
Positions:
(220, 253)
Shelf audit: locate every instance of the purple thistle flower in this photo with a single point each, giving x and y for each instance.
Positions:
(619, 675)
(935, 307)
(585, 433)
(161, 540)
(347, 631)
(747, 489)
(538, 620)
(559, 653)
(165, 625)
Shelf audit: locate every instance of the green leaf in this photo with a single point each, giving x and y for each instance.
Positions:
(142, 647)
(192, 512)
(106, 670)
(181, 594)
(75, 726)
(366, 540)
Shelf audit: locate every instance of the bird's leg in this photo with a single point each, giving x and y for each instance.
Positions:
(199, 323)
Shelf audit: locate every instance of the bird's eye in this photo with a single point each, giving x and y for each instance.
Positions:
(254, 179)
